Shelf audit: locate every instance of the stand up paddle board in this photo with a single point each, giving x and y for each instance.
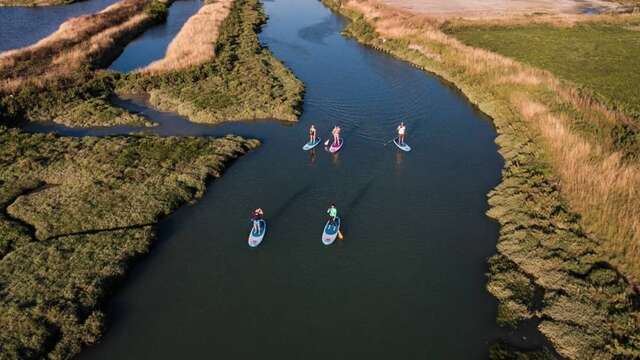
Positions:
(334, 148)
(311, 145)
(255, 237)
(330, 232)
(403, 147)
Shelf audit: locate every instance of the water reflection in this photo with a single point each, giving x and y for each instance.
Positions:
(399, 159)
(312, 156)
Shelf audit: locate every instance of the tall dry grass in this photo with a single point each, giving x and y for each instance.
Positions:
(598, 184)
(195, 43)
(595, 180)
(86, 41)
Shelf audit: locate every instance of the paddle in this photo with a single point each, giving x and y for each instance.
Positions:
(385, 144)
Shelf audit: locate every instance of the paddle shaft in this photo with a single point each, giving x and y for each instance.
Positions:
(390, 141)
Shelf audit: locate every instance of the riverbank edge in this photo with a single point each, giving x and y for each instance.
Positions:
(244, 81)
(59, 326)
(542, 249)
(78, 96)
(239, 54)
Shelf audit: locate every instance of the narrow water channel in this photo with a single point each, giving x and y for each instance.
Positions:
(152, 45)
(408, 281)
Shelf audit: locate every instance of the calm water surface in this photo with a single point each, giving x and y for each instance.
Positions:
(153, 44)
(408, 280)
(22, 26)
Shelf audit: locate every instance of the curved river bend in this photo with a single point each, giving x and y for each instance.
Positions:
(408, 282)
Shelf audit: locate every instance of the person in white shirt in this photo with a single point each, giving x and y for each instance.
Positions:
(401, 131)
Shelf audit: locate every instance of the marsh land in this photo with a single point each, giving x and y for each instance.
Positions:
(85, 195)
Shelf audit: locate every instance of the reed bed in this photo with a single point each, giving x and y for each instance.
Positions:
(84, 42)
(196, 41)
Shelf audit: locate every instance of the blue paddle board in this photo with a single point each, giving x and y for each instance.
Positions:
(255, 237)
(331, 231)
(309, 146)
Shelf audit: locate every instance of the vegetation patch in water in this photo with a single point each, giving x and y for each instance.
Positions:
(58, 78)
(587, 309)
(243, 81)
(75, 211)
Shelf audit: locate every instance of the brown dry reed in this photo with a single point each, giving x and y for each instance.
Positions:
(195, 43)
(88, 41)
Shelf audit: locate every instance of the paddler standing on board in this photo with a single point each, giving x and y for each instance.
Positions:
(312, 134)
(257, 215)
(401, 131)
(333, 217)
(336, 135)
(333, 213)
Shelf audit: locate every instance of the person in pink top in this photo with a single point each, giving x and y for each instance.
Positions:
(336, 135)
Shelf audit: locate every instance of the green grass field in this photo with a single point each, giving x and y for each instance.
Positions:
(602, 58)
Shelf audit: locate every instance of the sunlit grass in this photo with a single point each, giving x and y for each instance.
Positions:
(568, 203)
(604, 58)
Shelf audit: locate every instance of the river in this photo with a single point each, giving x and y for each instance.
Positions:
(22, 26)
(408, 281)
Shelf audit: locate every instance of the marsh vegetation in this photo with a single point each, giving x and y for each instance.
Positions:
(227, 77)
(196, 41)
(76, 211)
(58, 78)
(242, 81)
(567, 203)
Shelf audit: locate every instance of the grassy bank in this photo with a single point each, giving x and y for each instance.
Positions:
(57, 78)
(60, 79)
(595, 153)
(195, 43)
(602, 57)
(243, 81)
(75, 212)
(551, 245)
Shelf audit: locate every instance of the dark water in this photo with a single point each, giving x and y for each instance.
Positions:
(408, 280)
(153, 44)
(22, 26)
